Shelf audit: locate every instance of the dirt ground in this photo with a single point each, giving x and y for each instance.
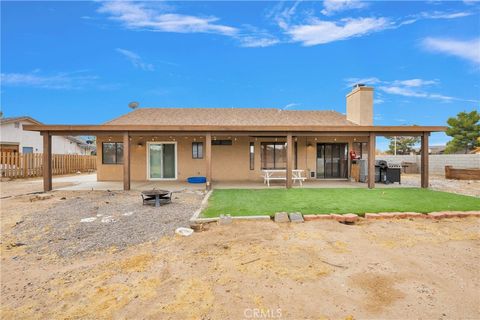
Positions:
(438, 182)
(399, 269)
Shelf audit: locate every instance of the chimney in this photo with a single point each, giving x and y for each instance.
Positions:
(360, 105)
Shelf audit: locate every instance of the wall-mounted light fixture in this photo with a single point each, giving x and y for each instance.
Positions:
(140, 144)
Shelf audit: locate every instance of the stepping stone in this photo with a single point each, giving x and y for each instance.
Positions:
(281, 217)
(296, 217)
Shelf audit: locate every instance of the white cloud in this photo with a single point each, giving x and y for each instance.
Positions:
(135, 15)
(157, 17)
(135, 59)
(416, 88)
(321, 32)
(333, 6)
(254, 41)
(445, 15)
(415, 82)
(73, 80)
(290, 105)
(468, 50)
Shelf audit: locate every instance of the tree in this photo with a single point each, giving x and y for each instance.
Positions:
(465, 131)
(402, 145)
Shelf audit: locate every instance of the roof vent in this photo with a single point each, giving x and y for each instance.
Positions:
(358, 85)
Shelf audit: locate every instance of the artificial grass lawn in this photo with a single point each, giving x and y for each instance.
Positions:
(248, 202)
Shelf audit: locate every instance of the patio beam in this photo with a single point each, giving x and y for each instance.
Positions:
(126, 161)
(208, 160)
(289, 160)
(424, 161)
(47, 162)
(371, 160)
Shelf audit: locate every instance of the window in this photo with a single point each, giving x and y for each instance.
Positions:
(112, 152)
(27, 149)
(252, 156)
(361, 149)
(221, 142)
(197, 150)
(274, 155)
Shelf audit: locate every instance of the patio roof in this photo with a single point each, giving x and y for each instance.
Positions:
(230, 129)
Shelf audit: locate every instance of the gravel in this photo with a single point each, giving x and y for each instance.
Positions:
(96, 220)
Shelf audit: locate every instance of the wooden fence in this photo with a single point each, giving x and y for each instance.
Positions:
(24, 165)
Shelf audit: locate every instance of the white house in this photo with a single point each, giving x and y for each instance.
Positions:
(14, 139)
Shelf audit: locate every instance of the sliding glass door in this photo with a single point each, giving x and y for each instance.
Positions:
(332, 160)
(162, 160)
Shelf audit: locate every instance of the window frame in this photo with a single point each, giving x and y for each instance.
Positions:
(195, 152)
(222, 142)
(116, 153)
(251, 150)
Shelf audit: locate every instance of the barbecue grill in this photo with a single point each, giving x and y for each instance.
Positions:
(387, 172)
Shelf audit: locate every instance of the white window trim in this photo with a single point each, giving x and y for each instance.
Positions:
(148, 160)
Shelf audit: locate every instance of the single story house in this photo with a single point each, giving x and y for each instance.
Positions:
(14, 139)
(236, 144)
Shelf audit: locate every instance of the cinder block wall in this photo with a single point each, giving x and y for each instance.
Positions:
(438, 162)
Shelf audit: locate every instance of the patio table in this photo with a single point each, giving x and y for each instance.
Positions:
(281, 174)
(158, 196)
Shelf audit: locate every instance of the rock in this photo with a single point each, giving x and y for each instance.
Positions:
(225, 219)
(414, 215)
(350, 218)
(320, 216)
(338, 217)
(372, 216)
(436, 215)
(281, 217)
(40, 197)
(296, 217)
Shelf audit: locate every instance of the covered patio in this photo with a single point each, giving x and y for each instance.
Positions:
(87, 182)
(208, 133)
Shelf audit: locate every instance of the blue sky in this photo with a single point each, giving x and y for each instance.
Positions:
(82, 62)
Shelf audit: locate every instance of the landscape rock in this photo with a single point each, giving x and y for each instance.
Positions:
(296, 217)
(281, 217)
(350, 218)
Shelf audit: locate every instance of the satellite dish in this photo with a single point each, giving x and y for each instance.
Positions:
(133, 105)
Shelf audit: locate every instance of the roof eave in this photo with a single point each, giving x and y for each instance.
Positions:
(77, 129)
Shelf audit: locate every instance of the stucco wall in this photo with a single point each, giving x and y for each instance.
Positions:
(229, 163)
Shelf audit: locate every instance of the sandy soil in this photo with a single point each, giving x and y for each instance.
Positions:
(383, 269)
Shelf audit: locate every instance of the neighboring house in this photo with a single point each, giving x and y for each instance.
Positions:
(237, 144)
(14, 139)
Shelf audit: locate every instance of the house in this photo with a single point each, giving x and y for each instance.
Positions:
(236, 144)
(13, 138)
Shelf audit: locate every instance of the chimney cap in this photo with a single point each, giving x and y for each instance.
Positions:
(358, 85)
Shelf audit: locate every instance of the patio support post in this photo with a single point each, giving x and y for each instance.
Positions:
(47, 161)
(126, 161)
(424, 161)
(208, 159)
(371, 160)
(289, 160)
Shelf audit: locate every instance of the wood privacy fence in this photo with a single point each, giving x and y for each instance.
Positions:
(24, 165)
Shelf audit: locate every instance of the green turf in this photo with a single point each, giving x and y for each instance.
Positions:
(245, 202)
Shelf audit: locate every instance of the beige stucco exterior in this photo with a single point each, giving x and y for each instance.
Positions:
(229, 162)
(360, 106)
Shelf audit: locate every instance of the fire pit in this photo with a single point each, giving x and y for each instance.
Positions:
(156, 197)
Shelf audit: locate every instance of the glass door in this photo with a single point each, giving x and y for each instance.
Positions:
(162, 162)
(332, 160)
